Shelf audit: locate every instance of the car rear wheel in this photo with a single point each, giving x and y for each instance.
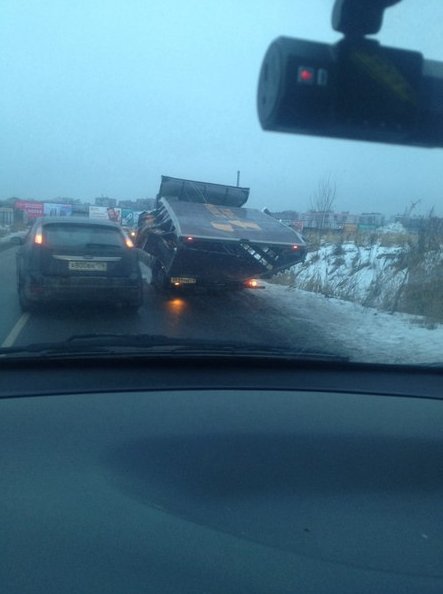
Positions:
(130, 308)
(25, 303)
(135, 304)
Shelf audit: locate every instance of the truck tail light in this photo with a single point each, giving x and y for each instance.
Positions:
(252, 283)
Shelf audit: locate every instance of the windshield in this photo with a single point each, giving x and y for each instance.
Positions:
(66, 235)
(145, 114)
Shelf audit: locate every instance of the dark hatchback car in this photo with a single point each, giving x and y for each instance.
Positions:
(67, 259)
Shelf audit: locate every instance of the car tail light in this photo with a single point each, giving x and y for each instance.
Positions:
(38, 237)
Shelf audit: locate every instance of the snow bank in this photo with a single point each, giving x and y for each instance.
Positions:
(394, 228)
(371, 276)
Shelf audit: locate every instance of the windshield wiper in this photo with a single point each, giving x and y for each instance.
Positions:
(142, 344)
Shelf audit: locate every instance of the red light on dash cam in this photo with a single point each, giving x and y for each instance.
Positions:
(306, 75)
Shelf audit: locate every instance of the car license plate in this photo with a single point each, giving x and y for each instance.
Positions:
(93, 266)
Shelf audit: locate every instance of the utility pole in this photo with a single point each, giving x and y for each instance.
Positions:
(238, 179)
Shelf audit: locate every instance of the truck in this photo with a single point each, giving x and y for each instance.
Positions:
(200, 234)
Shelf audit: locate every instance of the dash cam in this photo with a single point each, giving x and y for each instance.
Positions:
(356, 89)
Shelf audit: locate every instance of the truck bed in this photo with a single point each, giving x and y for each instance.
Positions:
(188, 190)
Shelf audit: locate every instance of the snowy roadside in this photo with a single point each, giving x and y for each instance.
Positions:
(367, 333)
(388, 277)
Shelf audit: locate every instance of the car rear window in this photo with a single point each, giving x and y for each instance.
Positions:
(66, 235)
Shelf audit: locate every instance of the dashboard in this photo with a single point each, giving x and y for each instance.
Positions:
(208, 477)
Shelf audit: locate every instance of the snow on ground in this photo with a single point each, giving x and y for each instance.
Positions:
(366, 333)
(396, 228)
(367, 275)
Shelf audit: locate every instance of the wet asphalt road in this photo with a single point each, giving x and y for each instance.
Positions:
(250, 315)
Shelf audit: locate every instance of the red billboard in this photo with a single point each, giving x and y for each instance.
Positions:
(32, 210)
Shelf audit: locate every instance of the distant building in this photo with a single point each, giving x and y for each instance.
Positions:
(369, 221)
(127, 204)
(315, 219)
(138, 205)
(145, 204)
(344, 221)
(105, 201)
(286, 215)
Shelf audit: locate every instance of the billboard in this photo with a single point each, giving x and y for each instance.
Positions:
(51, 209)
(130, 217)
(105, 213)
(32, 210)
(125, 216)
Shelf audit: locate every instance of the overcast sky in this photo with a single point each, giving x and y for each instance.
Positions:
(103, 97)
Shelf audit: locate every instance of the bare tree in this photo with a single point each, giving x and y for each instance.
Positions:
(323, 199)
(430, 234)
(409, 210)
